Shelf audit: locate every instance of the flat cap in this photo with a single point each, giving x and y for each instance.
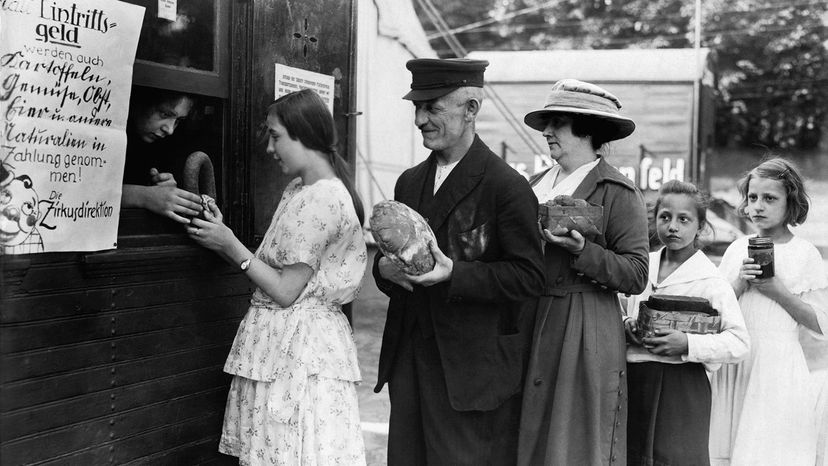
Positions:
(435, 77)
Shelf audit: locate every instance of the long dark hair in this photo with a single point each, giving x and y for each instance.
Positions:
(596, 128)
(306, 118)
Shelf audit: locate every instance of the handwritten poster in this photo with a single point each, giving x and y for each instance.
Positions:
(65, 76)
(289, 79)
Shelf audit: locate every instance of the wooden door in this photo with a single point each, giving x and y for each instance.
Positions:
(315, 35)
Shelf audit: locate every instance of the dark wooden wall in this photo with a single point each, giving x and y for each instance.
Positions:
(116, 357)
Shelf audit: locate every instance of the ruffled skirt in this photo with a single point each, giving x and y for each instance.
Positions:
(323, 430)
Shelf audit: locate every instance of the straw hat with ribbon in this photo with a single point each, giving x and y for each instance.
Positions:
(583, 98)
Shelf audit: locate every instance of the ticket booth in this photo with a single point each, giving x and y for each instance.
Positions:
(116, 356)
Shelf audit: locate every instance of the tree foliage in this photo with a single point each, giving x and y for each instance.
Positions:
(772, 60)
(774, 71)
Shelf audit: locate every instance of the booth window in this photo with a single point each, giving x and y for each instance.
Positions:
(187, 42)
(187, 56)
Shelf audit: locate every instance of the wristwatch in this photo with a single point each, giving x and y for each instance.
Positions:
(245, 264)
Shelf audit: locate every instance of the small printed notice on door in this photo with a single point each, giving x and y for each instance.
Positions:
(167, 9)
(289, 79)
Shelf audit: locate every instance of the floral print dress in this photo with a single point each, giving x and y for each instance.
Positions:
(293, 396)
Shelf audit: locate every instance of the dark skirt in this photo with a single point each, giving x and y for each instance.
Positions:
(669, 414)
(575, 396)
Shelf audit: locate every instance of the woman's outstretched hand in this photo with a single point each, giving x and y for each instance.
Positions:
(211, 232)
(171, 202)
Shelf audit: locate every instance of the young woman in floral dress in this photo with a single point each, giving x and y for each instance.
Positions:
(293, 396)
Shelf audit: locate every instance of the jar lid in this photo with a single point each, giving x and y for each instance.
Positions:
(760, 241)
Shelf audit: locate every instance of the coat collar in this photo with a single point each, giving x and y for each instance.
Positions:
(697, 267)
(602, 172)
(460, 182)
(463, 179)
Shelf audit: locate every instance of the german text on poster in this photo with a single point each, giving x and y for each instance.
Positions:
(65, 76)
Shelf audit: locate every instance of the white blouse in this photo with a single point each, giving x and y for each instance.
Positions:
(546, 189)
(697, 277)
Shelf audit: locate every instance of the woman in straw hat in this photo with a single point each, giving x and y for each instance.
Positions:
(575, 397)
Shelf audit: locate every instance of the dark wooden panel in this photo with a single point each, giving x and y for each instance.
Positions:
(47, 445)
(38, 307)
(111, 402)
(33, 392)
(202, 452)
(161, 439)
(140, 447)
(113, 268)
(90, 301)
(241, 123)
(107, 325)
(153, 428)
(70, 358)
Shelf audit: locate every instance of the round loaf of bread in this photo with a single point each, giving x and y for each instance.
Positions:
(402, 235)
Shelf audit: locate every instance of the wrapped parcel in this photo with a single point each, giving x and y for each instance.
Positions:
(572, 214)
(687, 314)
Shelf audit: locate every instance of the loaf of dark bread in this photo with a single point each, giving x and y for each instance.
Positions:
(674, 303)
(402, 235)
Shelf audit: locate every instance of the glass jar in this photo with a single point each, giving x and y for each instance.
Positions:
(760, 249)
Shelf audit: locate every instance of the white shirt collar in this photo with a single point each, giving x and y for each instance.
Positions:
(697, 267)
(546, 189)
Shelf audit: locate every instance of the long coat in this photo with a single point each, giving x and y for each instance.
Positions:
(575, 400)
(484, 217)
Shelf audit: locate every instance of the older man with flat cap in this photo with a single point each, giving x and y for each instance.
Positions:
(456, 339)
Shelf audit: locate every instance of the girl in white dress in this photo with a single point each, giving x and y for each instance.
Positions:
(293, 397)
(764, 408)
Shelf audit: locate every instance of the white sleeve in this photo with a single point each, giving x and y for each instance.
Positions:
(732, 344)
(815, 344)
(810, 284)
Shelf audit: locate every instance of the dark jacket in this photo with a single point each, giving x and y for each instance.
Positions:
(617, 260)
(485, 219)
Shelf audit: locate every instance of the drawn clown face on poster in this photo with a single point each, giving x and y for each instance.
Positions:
(19, 214)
